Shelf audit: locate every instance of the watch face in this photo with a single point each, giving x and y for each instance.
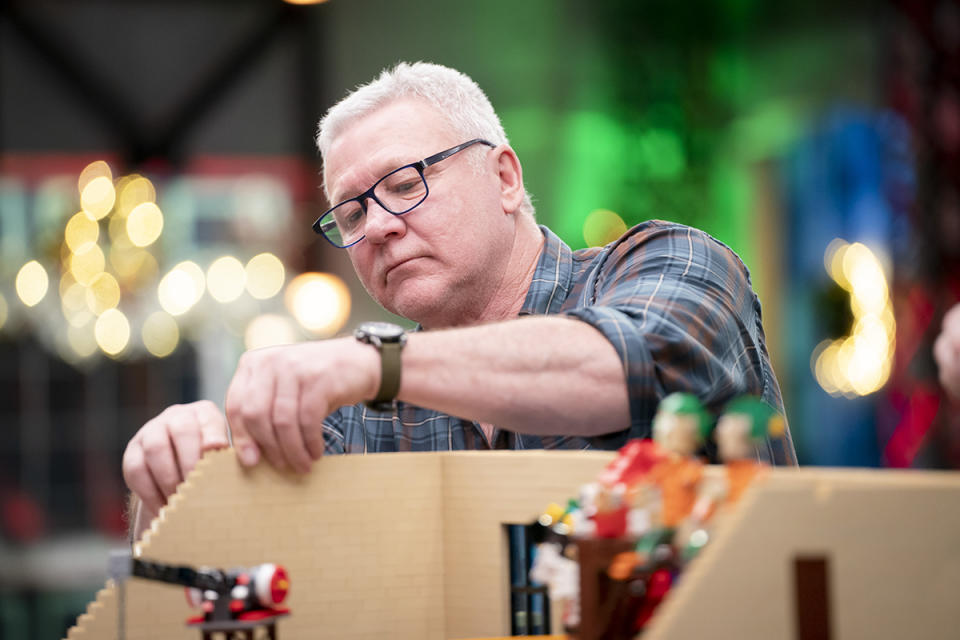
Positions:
(386, 331)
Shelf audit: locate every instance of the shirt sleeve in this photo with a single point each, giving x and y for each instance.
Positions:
(678, 307)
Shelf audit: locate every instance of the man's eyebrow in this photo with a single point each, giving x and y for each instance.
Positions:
(382, 168)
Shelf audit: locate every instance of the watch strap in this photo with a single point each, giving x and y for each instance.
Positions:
(389, 376)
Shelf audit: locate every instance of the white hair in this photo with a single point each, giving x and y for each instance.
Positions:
(454, 94)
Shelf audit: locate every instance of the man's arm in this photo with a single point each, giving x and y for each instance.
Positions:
(675, 313)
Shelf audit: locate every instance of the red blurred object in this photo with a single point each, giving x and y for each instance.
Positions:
(23, 519)
(657, 588)
(634, 461)
(611, 524)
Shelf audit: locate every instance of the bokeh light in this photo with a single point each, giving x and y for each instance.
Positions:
(265, 276)
(160, 334)
(269, 330)
(32, 283)
(858, 364)
(97, 169)
(226, 279)
(87, 263)
(319, 301)
(97, 197)
(134, 266)
(144, 224)
(602, 226)
(81, 231)
(81, 340)
(103, 293)
(112, 332)
(181, 288)
(131, 191)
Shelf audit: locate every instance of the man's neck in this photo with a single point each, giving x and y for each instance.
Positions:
(511, 291)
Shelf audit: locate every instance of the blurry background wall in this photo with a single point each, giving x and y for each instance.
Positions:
(158, 179)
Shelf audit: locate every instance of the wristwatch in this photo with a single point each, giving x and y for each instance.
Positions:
(389, 340)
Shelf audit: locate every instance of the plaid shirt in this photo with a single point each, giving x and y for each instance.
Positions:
(676, 304)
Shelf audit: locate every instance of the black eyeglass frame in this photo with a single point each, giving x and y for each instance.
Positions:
(319, 224)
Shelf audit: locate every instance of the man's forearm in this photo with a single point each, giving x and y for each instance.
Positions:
(536, 375)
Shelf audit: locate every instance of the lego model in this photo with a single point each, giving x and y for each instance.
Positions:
(414, 546)
(235, 602)
(636, 528)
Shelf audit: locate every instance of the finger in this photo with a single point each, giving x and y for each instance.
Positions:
(184, 434)
(137, 476)
(213, 426)
(286, 422)
(312, 415)
(254, 402)
(158, 451)
(243, 442)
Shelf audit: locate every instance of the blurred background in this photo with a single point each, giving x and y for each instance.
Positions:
(158, 179)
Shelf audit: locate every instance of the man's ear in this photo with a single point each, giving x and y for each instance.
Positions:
(511, 179)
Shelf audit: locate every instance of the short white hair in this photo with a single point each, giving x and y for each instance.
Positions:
(455, 95)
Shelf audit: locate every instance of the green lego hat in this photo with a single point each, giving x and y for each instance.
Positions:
(764, 419)
(687, 404)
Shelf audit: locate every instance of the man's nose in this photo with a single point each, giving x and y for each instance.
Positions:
(380, 224)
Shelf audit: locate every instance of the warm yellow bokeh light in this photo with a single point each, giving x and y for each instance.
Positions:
(181, 288)
(160, 334)
(32, 283)
(319, 301)
(82, 340)
(144, 224)
(81, 231)
(112, 332)
(103, 293)
(858, 364)
(134, 190)
(134, 266)
(602, 226)
(265, 276)
(97, 197)
(226, 279)
(87, 263)
(73, 300)
(269, 330)
(97, 169)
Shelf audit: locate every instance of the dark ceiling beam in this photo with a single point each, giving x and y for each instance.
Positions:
(95, 93)
(168, 143)
(139, 143)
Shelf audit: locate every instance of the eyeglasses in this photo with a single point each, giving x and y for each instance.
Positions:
(399, 192)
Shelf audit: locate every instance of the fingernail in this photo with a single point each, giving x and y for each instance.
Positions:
(248, 455)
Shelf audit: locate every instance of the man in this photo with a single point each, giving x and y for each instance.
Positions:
(525, 343)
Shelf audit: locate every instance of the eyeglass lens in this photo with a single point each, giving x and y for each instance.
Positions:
(397, 192)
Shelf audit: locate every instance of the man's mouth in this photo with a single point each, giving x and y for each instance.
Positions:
(398, 264)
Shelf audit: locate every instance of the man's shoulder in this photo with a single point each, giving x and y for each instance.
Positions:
(654, 233)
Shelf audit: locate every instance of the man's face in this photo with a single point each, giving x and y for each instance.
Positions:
(439, 264)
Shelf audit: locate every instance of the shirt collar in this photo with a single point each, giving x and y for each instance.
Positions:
(551, 280)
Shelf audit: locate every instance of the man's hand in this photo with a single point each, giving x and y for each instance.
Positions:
(946, 351)
(167, 448)
(280, 396)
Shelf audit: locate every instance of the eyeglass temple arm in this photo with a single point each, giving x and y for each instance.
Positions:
(443, 155)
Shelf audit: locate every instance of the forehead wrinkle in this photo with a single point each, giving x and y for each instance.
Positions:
(359, 179)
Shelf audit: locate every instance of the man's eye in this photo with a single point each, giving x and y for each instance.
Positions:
(407, 185)
(350, 218)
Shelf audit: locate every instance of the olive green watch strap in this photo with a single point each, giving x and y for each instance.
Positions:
(389, 376)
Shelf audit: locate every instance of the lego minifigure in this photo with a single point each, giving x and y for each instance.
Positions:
(747, 421)
(679, 428)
